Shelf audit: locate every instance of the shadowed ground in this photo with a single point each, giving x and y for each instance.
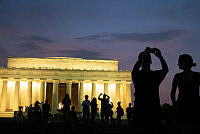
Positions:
(9, 126)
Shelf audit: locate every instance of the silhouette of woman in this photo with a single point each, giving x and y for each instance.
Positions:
(188, 83)
(66, 107)
(147, 102)
(93, 105)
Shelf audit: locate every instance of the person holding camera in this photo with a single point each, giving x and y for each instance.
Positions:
(147, 101)
(104, 107)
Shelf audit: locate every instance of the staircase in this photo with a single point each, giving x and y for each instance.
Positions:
(7, 114)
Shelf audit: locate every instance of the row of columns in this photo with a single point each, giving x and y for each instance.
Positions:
(4, 103)
(126, 98)
(93, 92)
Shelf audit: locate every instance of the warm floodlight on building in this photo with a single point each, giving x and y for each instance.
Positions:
(27, 80)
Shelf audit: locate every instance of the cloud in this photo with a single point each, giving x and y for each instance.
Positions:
(40, 38)
(33, 42)
(36, 38)
(87, 54)
(135, 37)
(29, 45)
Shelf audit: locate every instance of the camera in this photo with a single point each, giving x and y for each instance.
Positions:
(149, 50)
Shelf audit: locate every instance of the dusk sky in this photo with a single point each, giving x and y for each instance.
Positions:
(102, 29)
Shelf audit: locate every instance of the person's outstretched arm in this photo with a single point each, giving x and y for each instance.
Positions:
(136, 69)
(99, 96)
(173, 91)
(108, 97)
(164, 65)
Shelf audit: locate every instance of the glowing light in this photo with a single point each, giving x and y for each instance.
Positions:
(87, 90)
(123, 95)
(111, 93)
(35, 91)
(10, 94)
(99, 89)
(23, 93)
(62, 63)
(60, 106)
(1, 85)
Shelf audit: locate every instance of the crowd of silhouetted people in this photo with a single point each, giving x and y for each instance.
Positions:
(35, 114)
(147, 116)
(41, 112)
(90, 110)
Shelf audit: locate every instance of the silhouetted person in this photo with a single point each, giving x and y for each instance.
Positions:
(66, 102)
(46, 110)
(147, 102)
(86, 108)
(110, 111)
(120, 112)
(19, 116)
(73, 115)
(129, 111)
(30, 113)
(93, 105)
(104, 105)
(37, 111)
(188, 83)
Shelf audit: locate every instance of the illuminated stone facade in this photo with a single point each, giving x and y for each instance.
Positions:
(27, 80)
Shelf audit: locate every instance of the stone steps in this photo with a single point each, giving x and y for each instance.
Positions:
(7, 114)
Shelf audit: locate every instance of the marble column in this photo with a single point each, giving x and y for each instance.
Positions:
(106, 87)
(81, 97)
(16, 94)
(42, 90)
(123, 97)
(93, 94)
(55, 96)
(4, 95)
(29, 93)
(117, 92)
(69, 87)
(128, 92)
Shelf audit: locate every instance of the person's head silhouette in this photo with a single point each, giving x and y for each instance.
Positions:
(67, 96)
(37, 103)
(130, 104)
(119, 103)
(185, 62)
(104, 96)
(73, 108)
(94, 100)
(86, 97)
(46, 101)
(145, 58)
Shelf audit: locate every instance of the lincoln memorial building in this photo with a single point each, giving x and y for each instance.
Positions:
(26, 80)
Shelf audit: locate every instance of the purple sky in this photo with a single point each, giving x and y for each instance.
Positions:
(102, 29)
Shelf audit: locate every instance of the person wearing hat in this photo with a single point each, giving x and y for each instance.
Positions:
(187, 83)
